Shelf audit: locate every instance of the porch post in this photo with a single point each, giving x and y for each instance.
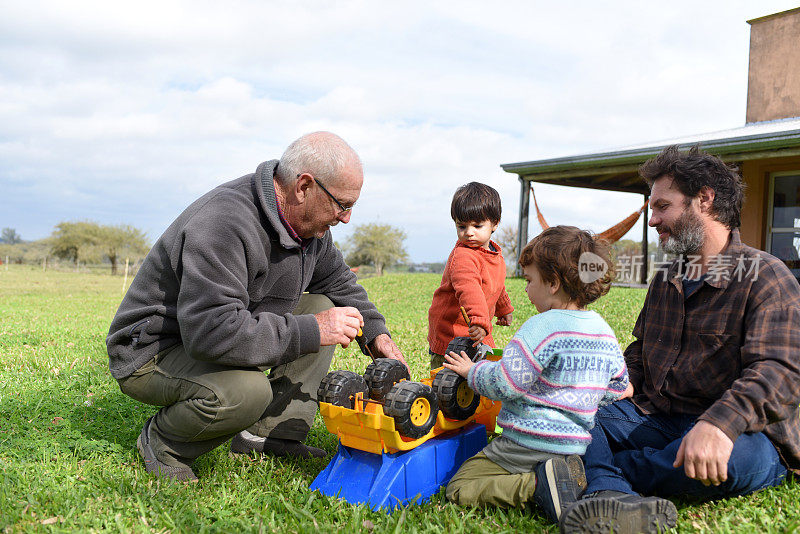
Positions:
(522, 226)
(645, 259)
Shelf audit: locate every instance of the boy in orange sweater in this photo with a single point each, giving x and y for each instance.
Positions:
(474, 277)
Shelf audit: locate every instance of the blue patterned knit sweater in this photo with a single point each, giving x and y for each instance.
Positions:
(559, 367)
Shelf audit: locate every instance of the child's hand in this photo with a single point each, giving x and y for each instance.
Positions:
(505, 320)
(628, 392)
(460, 363)
(477, 333)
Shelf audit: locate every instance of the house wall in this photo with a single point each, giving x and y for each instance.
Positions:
(755, 210)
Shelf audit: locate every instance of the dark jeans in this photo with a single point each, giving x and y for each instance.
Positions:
(633, 453)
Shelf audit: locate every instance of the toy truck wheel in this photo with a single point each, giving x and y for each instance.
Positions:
(340, 387)
(382, 374)
(465, 343)
(456, 399)
(413, 406)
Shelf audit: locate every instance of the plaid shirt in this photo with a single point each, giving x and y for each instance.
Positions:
(730, 353)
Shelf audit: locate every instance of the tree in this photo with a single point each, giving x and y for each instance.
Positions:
(87, 240)
(506, 237)
(74, 240)
(626, 247)
(122, 241)
(10, 236)
(379, 245)
(25, 252)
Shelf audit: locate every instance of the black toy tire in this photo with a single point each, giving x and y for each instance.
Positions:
(382, 374)
(414, 408)
(462, 343)
(466, 344)
(456, 399)
(339, 388)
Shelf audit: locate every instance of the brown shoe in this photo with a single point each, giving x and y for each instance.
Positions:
(153, 465)
(245, 442)
(620, 513)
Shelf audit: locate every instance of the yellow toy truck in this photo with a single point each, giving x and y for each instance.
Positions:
(383, 410)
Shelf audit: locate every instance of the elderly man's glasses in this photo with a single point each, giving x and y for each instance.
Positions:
(342, 209)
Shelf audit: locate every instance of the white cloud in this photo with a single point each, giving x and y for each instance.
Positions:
(125, 113)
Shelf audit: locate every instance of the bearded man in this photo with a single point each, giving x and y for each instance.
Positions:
(712, 406)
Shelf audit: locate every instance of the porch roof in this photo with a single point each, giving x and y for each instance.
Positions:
(617, 170)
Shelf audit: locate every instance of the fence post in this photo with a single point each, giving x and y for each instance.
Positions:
(6, 262)
(44, 264)
(125, 280)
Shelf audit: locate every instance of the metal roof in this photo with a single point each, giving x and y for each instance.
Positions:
(772, 16)
(617, 170)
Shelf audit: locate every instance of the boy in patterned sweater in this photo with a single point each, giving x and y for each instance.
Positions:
(559, 367)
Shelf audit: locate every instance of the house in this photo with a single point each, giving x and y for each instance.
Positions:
(766, 149)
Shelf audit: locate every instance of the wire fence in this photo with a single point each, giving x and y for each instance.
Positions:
(50, 263)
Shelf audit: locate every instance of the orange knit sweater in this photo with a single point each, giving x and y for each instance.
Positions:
(475, 279)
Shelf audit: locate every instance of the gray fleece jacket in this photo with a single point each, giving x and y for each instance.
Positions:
(223, 280)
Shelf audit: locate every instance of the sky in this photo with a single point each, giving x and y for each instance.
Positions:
(124, 113)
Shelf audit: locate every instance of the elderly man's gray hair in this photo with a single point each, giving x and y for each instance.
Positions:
(323, 154)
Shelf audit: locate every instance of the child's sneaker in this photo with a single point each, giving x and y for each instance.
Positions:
(556, 488)
(575, 465)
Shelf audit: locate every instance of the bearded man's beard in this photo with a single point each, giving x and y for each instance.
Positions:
(686, 236)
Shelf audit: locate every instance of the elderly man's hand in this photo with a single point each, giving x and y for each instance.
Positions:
(338, 326)
(704, 454)
(384, 347)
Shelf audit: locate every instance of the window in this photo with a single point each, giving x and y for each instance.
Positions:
(783, 238)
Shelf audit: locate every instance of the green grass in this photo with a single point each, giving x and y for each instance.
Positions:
(67, 434)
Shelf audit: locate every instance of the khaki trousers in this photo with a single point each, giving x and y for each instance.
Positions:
(205, 404)
(480, 482)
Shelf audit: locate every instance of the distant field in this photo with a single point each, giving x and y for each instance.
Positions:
(67, 434)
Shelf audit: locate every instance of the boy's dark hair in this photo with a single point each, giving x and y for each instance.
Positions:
(556, 254)
(693, 170)
(476, 202)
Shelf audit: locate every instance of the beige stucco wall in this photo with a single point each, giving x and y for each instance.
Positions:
(754, 212)
(773, 90)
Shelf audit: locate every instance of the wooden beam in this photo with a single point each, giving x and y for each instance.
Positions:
(603, 187)
(608, 178)
(634, 180)
(591, 171)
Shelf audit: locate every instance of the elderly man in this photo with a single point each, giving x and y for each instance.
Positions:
(245, 280)
(714, 370)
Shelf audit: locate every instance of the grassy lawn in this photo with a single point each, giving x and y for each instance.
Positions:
(67, 434)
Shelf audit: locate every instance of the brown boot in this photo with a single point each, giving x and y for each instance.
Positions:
(245, 442)
(152, 464)
(621, 513)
